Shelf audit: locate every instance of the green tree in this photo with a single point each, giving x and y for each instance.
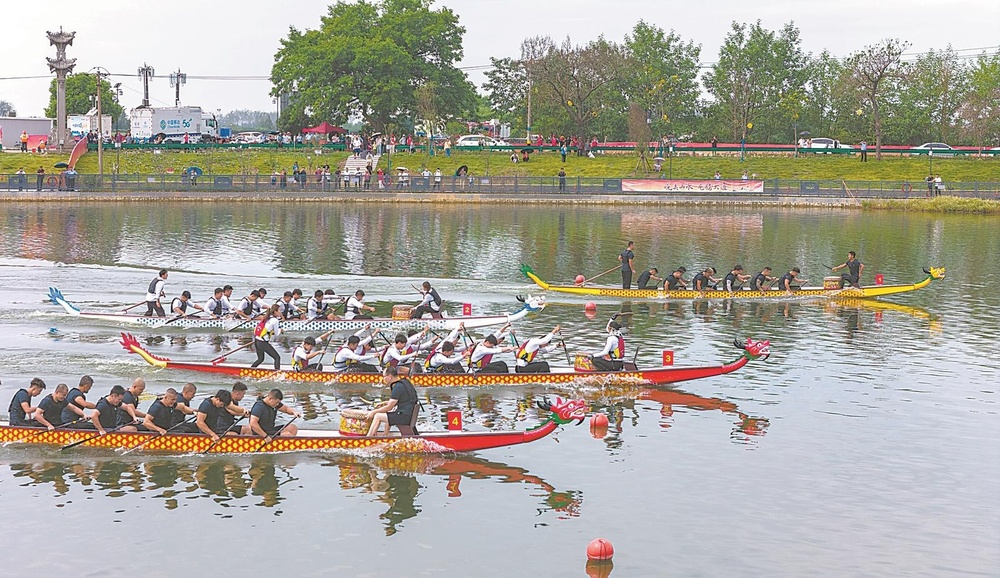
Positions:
(756, 71)
(80, 91)
(660, 75)
(980, 113)
(506, 91)
(367, 59)
(929, 98)
(873, 72)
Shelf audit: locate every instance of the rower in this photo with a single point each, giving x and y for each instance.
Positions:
(20, 406)
(854, 269)
(128, 411)
(182, 410)
(402, 352)
(180, 304)
(705, 280)
(227, 418)
(786, 281)
(105, 414)
(645, 276)
(398, 409)
(610, 358)
(431, 303)
(50, 409)
(262, 302)
(264, 413)
(227, 305)
(356, 306)
(306, 351)
(349, 360)
(675, 280)
(529, 349)
(153, 294)
(159, 417)
(214, 304)
(444, 359)
(287, 305)
(76, 401)
(481, 356)
(267, 329)
(762, 281)
(318, 307)
(735, 279)
(331, 302)
(207, 421)
(249, 308)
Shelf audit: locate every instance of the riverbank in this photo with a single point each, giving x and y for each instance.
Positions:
(942, 204)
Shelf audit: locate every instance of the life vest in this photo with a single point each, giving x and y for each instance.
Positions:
(177, 303)
(480, 363)
(286, 308)
(248, 308)
(261, 331)
(387, 361)
(298, 364)
(341, 365)
(436, 297)
(619, 351)
(524, 355)
(152, 285)
(215, 306)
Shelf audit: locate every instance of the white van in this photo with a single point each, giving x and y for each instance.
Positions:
(252, 137)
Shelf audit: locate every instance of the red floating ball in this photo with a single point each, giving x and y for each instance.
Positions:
(590, 306)
(599, 420)
(600, 549)
(580, 279)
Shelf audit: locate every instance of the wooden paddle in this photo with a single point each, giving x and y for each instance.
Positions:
(188, 316)
(222, 357)
(106, 432)
(276, 434)
(132, 449)
(616, 267)
(46, 430)
(229, 429)
(127, 309)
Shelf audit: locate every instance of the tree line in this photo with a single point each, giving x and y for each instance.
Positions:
(390, 63)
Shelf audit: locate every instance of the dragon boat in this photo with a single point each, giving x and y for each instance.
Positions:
(829, 291)
(561, 412)
(530, 304)
(629, 374)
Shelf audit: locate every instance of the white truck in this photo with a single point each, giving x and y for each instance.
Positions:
(170, 124)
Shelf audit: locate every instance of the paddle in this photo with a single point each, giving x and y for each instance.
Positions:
(132, 449)
(127, 309)
(229, 429)
(222, 357)
(188, 316)
(46, 430)
(566, 351)
(616, 267)
(83, 441)
(242, 323)
(276, 434)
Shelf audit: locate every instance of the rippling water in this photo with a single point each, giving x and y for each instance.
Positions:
(868, 444)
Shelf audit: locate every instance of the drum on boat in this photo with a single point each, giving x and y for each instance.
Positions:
(401, 311)
(831, 283)
(354, 422)
(583, 362)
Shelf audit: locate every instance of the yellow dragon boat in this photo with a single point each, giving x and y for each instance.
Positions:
(828, 291)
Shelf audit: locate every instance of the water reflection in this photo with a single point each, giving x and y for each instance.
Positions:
(242, 482)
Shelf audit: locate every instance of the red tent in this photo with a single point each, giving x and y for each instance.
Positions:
(325, 128)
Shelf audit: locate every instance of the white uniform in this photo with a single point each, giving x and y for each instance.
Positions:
(354, 306)
(158, 286)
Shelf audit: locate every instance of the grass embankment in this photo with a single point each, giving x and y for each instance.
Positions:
(807, 167)
(942, 204)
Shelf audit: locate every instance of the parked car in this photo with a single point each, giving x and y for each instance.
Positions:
(939, 148)
(829, 143)
(251, 137)
(475, 140)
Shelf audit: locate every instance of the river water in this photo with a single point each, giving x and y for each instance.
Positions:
(867, 444)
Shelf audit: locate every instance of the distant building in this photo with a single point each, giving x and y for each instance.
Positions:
(13, 126)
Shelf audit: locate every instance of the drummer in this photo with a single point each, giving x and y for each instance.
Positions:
(398, 410)
(265, 412)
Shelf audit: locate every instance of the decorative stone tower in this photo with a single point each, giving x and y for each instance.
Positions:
(62, 67)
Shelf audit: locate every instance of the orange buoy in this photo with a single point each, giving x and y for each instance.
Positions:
(590, 306)
(600, 549)
(599, 568)
(599, 420)
(580, 279)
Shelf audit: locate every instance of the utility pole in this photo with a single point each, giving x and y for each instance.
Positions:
(176, 80)
(145, 73)
(100, 124)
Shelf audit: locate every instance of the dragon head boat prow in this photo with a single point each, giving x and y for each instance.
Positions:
(754, 349)
(565, 411)
(532, 302)
(935, 272)
(131, 344)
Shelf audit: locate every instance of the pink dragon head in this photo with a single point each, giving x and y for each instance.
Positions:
(565, 411)
(754, 349)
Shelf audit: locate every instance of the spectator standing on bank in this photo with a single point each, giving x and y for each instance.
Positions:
(864, 151)
(715, 145)
(562, 176)
(41, 177)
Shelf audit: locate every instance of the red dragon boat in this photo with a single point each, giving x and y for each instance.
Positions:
(561, 412)
(750, 350)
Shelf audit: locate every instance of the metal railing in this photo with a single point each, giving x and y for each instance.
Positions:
(314, 185)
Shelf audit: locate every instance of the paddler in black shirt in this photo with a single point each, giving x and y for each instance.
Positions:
(735, 279)
(51, 407)
(76, 402)
(129, 410)
(762, 281)
(645, 277)
(854, 268)
(105, 416)
(704, 281)
(786, 281)
(675, 280)
(20, 406)
(160, 414)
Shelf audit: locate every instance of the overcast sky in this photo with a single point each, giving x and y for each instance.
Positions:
(240, 37)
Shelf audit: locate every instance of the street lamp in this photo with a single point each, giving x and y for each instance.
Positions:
(670, 155)
(98, 73)
(930, 161)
